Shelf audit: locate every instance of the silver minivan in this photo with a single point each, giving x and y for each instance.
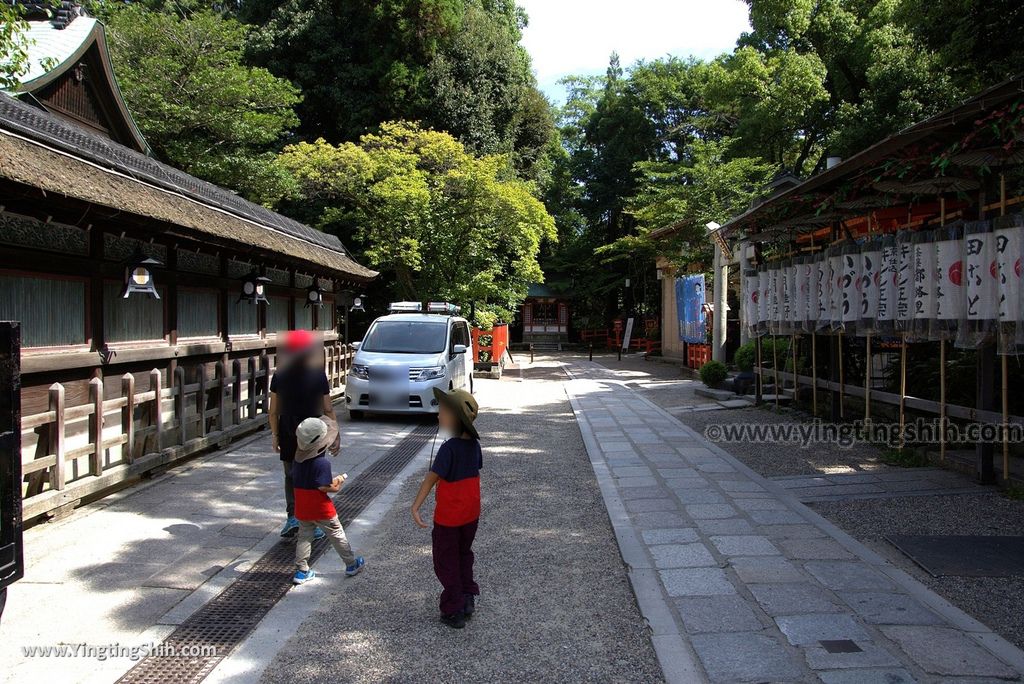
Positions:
(404, 356)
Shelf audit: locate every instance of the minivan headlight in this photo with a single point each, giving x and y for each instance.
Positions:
(360, 371)
(430, 373)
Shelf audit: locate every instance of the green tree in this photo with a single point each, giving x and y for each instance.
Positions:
(979, 47)
(199, 105)
(455, 65)
(445, 224)
(13, 45)
(876, 74)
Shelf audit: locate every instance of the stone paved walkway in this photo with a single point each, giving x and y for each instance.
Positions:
(740, 582)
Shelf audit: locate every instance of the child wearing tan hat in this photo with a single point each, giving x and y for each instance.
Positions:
(456, 472)
(313, 481)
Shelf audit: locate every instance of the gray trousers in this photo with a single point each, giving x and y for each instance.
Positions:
(289, 492)
(335, 533)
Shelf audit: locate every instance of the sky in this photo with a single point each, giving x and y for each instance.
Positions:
(577, 36)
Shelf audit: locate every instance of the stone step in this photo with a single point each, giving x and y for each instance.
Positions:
(716, 394)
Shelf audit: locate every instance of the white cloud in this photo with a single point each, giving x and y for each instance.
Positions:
(577, 36)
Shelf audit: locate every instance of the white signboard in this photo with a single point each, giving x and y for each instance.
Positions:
(904, 283)
(924, 282)
(628, 334)
(981, 272)
(870, 279)
(1008, 266)
(821, 270)
(888, 277)
(849, 300)
(949, 281)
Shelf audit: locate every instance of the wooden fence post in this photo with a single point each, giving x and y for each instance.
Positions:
(251, 383)
(57, 435)
(96, 427)
(202, 398)
(340, 354)
(332, 354)
(222, 390)
(179, 404)
(157, 410)
(236, 392)
(128, 417)
(264, 383)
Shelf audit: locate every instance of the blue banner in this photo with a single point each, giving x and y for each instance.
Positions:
(690, 309)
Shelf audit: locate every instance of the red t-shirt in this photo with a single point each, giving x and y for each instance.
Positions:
(458, 465)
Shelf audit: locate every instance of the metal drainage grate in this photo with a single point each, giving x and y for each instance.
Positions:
(192, 650)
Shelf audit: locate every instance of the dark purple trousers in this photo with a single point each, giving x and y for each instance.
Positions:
(453, 564)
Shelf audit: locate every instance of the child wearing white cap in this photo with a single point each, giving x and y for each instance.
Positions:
(313, 481)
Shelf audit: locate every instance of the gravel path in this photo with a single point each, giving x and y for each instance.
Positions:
(996, 601)
(555, 603)
(776, 460)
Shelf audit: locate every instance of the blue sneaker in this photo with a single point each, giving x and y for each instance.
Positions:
(355, 568)
(303, 577)
(318, 534)
(291, 527)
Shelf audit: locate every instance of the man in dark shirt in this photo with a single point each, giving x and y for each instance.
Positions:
(298, 390)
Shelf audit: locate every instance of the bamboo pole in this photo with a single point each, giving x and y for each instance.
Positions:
(903, 386)
(793, 345)
(814, 374)
(760, 371)
(942, 364)
(1006, 420)
(867, 381)
(775, 368)
(842, 381)
(1005, 364)
(942, 400)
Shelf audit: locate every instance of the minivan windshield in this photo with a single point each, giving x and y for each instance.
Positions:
(405, 337)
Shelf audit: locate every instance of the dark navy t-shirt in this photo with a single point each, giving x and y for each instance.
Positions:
(307, 477)
(458, 464)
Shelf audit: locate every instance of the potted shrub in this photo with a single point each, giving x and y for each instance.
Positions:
(713, 373)
(745, 357)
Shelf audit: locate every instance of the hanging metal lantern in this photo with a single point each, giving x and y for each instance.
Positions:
(138, 276)
(357, 303)
(314, 295)
(254, 288)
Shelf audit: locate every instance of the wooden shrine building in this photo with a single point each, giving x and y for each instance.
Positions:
(545, 317)
(149, 301)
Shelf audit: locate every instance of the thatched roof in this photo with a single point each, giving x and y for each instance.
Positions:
(43, 151)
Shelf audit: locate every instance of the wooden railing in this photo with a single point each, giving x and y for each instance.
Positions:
(126, 436)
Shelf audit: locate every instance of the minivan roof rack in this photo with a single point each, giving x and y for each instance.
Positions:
(446, 308)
